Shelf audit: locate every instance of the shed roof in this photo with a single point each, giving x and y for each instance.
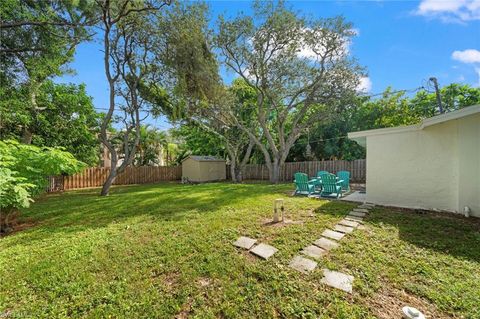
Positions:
(360, 136)
(200, 158)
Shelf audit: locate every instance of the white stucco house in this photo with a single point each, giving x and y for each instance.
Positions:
(431, 165)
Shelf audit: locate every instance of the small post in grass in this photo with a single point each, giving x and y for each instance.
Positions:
(278, 205)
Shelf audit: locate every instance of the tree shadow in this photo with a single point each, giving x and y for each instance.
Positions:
(445, 233)
(81, 210)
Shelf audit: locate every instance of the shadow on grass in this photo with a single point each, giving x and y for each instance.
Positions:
(85, 209)
(335, 208)
(441, 232)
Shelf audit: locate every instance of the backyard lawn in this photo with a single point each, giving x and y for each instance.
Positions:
(165, 251)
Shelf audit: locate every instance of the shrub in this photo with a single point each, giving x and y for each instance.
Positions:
(23, 175)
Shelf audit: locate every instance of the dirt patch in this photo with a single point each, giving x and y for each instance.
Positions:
(289, 193)
(172, 279)
(388, 304)
(165, 282)
(286, 222)
(19, 226)
(186, 310)
(204, 282)
(308, 214)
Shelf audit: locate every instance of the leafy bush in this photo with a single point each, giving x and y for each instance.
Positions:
(23, 174)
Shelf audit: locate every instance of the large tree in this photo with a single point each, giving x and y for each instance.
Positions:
(214, 119)
(68, 118)
(129, 36)
(38, 39)
(299, 68)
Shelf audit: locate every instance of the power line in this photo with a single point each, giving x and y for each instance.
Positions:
(394, 92)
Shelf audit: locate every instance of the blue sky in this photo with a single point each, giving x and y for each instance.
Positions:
(401, 43)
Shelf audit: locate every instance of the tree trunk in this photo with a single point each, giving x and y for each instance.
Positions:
(274, 171)
(233, 170)
(27, 136)
(238, 175)
(108, 183)
(27, 130)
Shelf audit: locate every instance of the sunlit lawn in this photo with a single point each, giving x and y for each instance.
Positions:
(164, 251)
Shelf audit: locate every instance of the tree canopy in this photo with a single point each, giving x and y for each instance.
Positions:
(300, 69)
(68, 118)
(328, 140)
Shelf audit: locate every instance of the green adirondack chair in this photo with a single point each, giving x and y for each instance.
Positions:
(318, 181)
(345, 177)
(330, 186)
(320, 173)
(303, 185)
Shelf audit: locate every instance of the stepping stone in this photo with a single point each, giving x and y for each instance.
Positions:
(358, 214)
(337, 280)
(343, 229)
(314, 251)
(361, 210)
(325, 243)
(349, 223)
(364, 206)
(302, 264)
(245, 242)
(264, 251)
(354, 218)
(332, 234)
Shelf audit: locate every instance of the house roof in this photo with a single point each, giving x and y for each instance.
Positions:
(200, 158)
(360, 136)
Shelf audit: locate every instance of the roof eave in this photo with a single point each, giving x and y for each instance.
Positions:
(470, 110)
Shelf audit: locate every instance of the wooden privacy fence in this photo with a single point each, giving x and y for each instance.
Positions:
(357, 169)
(96, 176)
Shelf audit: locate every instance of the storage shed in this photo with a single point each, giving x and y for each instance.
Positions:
(204, 169)
(433, 165)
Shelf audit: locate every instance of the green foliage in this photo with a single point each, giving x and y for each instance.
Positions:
(185, 28)
(195, 140)
(24, 170)
(328, 139)
(298, 67)
(14, 190)
(39, 37)
(206, 134)
(67, 118)
(35, 163)
(151, 147)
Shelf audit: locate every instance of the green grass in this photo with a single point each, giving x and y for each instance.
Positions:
(160, 251)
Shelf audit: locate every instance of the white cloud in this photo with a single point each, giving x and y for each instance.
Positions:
(365, 85)
(450, 10)
(467, 56)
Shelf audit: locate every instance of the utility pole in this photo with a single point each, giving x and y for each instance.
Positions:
(437, 93)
